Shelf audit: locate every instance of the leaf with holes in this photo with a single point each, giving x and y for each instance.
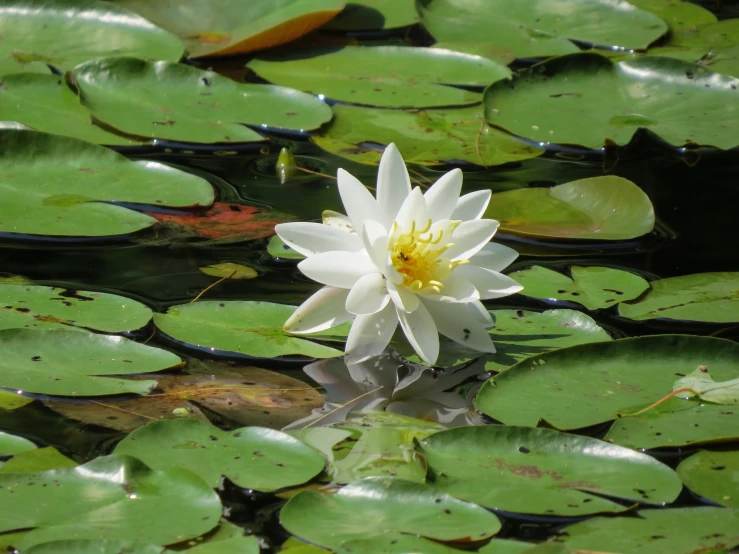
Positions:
(36, 307)
(252, 457)
(77, 363)
(543, 471)
(245, 327)
(593, 287)
(589, 384)
(380, 505)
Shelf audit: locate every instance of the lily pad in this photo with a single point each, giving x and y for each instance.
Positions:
(707, 297)
(383, 505)
(588, 384)
(64, 33)
(400, 76)
(60, 186)
(541, 28)
(426, 137)
(12, 401)
(584, 99)
(112, 496)
(232, 27)
(96, 546)
(593, 287)
(36, 307)
(245, 395)
(12, 444)
(678, 14)
(76, 363)
(229, 270)
(182, 103)
(713, 475)
(252, 457)
(518, 334)
(395, 543)
(600, 208)
(502, 546)
(374, 15)
(542, 471)
(45, 103)
(37, 459)
(675, 423)
(670, 531)
(278, 249)
(245, 327)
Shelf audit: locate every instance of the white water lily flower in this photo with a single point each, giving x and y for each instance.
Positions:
(422, 260)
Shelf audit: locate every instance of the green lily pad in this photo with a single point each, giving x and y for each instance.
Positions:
(670, 531)
(226, 539)
(701, 384)
(278, 249)
(114, 497)
(64, 33)
(601, 208)
(543, 471)
(383, 505)
(60, 186)
(677, 422)
(713, 475)
(399, 76)
(502, 546)
(252, 457)
(593, 287)
(518, 334)
(182, 103)
(678, 15)
(12, 444)
(37, 459)
(425, 137)
(38, 307)
(12, 400)
(374, 15)
(233, 27)
(395, 543)
(76, 363)
(229, 270)
(96, 546)
(588, 384)
(45, 103)
(708, 297)
(251, 328)
(541, 28)
(586, 98)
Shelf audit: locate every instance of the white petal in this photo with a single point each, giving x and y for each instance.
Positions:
(490, 284)
(337, 269)
(403, 299)
(393, 184)
(460, 323)
(494, 256)
(368, 295)
(482, 313)
(413, 209)
(443, 195)
(420, 330)
(472, 205)
(335, 219)
(374, 239)
(323, 310)
(313, 238)
(370, 334)
(359, 203)
(456, 289)
(470, 237)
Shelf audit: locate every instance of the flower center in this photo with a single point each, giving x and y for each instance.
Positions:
(418, 256)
